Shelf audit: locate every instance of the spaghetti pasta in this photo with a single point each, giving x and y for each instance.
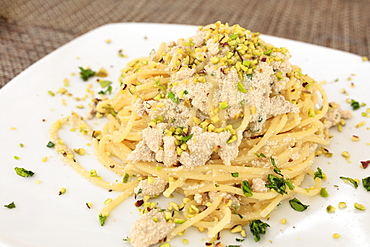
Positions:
(222, 118)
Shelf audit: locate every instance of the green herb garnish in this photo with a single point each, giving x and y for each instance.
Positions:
(50, 144)
(260, 155)
(85, 74)
(297, 205)
(318, 174)
(10, 205)
(102, 219)
(276, 169)
(258, 227)
(366, 183)
(290, 185)
(23, 172)
(355, 104)
(186, 138)
(246, 189)
(235, 174)
(351, 180)
(172, 96)
(276, 183)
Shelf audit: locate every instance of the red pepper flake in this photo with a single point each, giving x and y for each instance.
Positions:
(365, 164)
(263, 59)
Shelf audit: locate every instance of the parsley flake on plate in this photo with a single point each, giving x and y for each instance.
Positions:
(297, 205)
(23, 172)
(257, 228)
(10, 205)
(85, 74)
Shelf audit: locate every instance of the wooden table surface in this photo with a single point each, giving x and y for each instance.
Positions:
(30, 29)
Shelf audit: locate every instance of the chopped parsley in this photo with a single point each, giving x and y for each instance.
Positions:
(250, 76)
(172, 96)
(276, 169)
(351, 180)
(260, 155)
(246, 189)
(10, 205)
(290, 185)
(276, 183)
(366, 183)
(23, 172)
(318, 174)
(50, 144)
(239, 239)
(85, 74)
(235, 174)
(355, 104)
(297, 205)
(102, 219)
(258, 227)
(186, 138)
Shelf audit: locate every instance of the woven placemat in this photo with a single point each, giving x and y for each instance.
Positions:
(30, 29)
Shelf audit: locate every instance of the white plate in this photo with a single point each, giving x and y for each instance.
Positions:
(43, 218)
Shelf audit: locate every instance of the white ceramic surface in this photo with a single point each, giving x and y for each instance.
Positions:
(43, 218)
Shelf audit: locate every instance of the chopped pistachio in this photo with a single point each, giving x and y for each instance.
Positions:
(359, 206)
(342, 205)
(283, 221)
(165, 245)
(324, 192)
(232, 139)
(178, 221)
(93, 173)
(236, 229)
(336, 235)
(311, 112)
(360, 124)
(109, 200)
(330, 209)
(62, 191)
(345, 154)
(223, 105)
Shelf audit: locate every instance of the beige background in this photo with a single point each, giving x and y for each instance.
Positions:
(30, 29)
